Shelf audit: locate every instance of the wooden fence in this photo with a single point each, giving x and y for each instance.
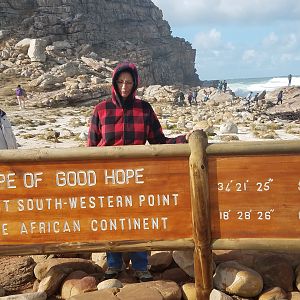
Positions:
(242, 195)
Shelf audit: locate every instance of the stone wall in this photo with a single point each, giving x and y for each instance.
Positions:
(119, 30)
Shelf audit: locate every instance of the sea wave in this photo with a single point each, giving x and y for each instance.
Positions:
(241, 87)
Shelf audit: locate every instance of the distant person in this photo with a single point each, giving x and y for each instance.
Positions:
(21, 96)
(255, 99)
(206, 96)
(290, 79)
(220, 86)
(190, 98)
(248, 99)
(249, 96)
(7, 137)
(176, 100)
(224, 86)
(279, 97)
(195, 94)
(181, 99)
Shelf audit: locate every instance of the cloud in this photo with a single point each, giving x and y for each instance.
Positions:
(270, 40)
(249, 55)
(291, 40)
(283, 42)
(230, 46)
(289, 57)
(179, 12)
(286, 57)
(210, 40)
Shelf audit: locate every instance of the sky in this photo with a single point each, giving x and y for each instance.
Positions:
(238, 38)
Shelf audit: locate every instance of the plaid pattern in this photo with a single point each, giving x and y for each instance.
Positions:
(132, 121)
(112, 125)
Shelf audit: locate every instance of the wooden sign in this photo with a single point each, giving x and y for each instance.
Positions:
(254, 196)
(111, 198)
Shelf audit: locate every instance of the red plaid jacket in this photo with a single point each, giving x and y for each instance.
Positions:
(117, 121)
(133, 124)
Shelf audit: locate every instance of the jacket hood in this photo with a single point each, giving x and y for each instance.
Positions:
(120, 68)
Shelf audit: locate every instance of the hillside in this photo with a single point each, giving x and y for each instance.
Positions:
(116, 30)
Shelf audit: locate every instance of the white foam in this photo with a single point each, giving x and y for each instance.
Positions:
(244, 86)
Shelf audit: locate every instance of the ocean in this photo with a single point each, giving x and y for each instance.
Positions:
(241, 87)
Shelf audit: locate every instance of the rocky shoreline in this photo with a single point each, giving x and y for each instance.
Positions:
(224, 118)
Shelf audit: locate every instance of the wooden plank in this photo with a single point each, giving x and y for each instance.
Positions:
(265, 244)
(48, 199)
(92, 153)
(254, 148)
(96, 246)
(255, 196)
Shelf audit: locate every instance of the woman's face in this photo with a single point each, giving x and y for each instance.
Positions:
(125, 84)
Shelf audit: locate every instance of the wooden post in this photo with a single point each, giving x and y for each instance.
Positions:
(203, 264)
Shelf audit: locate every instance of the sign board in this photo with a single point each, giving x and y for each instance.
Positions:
(128, 198)
(89, 200)
(254, 196)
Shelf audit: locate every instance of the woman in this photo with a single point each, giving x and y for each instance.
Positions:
(125, 119)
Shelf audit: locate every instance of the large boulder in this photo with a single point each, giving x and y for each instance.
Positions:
(78, 283)
(23, 45)
(185, 260)
(167, 289)
(36, 50)
(276, 272)
(16, 273)
(160, 260)
(228, 127)
(51, 283)
(234, 278)
(66, 265)
(275, 293)
(107, 294)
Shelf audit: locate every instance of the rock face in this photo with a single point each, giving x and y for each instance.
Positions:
(123, 30)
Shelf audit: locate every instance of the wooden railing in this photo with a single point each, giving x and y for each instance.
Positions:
(242, 195)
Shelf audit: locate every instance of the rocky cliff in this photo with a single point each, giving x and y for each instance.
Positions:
(118, 30)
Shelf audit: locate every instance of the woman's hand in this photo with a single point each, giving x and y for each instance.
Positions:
(188, 135)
